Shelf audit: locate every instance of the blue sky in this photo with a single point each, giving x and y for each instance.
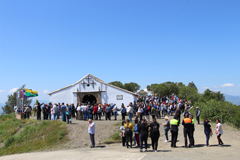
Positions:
(48, 45)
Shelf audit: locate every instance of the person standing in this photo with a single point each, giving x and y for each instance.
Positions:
(73, 110)
(178, 114)
(140, 111)
(192, 128)
(154, 133)
(143, 130)
(130, 112)
(115, 112)
(99, 111)
(108, 112)
(187, 123)
(123, 112)
(122, 133)
(198, 114)
(135, 133)
(166, 126)
(27, 111)
(219, 132)
(68, 113)
(95, 112)
(44, 109)
(153, 112)
(146, 115)
(207, 130)
(128, 130)
(174, 130)
(91, 131)
(85, 112)
(63, 110)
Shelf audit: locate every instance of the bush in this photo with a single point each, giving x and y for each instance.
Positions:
(223, 110)
(9, 141)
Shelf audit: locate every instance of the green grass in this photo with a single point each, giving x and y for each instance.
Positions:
(35, 135)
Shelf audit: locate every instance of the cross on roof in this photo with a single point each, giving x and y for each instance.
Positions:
(93, 83)
(88, 79)
(84, 84)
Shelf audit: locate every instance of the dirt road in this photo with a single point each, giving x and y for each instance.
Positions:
(80, 141)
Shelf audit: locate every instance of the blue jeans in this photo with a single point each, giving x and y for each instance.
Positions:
(69, 119)
(64, 116)
(99, 115)
(49, 115)
(163, 112)
(130, 116)
(166, 134)
(85, 115)
(207, 137)
(90, 115)
(115, 115)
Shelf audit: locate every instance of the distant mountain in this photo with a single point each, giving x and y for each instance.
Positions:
(233, 99)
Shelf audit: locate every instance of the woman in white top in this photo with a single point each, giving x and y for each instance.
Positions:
(140, 111)
(219, 132)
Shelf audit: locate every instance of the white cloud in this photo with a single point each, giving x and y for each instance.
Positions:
(227, 85)
(215, 86)
(46, 91)
(12, 90)
(1, 91)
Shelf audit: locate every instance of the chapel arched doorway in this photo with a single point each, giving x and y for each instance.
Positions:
(89, 98)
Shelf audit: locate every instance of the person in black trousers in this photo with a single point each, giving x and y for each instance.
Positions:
(187, 123)
(39, 111)
(155, 134)
(122, 133)
(143, 130)
(174, 131)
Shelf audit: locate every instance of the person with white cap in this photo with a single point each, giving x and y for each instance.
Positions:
(198, 114)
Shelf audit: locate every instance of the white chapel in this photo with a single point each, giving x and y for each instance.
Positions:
(93, 90)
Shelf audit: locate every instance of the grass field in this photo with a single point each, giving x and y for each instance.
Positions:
(18, 136)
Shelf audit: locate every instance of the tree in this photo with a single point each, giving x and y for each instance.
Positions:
(133, 87)
(12, 101)
(117, 84)
(208, 95)
(142, 93)
(160, 89)
(180, 84)
(172, 88)
(149, 87)
(189, 93)
(192, 85)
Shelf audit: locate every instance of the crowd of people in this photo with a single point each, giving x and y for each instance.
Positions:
(142, 110)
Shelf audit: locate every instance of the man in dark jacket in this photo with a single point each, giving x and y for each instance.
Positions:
(187, 123)
(39, 111)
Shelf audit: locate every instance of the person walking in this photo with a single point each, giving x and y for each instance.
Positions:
(219, 132)
(146, 115)
(187, 123)
(91, 131)
(128, 130)
(198, 115)
(123, 112)
(207, 130)
(166, 126)
(174, 130)
(143, 130)
(154, 133)
(122, 133)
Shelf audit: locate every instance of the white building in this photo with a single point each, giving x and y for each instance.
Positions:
(93, 90)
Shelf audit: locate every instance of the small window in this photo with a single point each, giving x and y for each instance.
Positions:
(119, 97)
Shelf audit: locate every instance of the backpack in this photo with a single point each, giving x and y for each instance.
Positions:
(155, 129)
(128, 130)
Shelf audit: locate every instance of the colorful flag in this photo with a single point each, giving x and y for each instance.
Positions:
(30, 93)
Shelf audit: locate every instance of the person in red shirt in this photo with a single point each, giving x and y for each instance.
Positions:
(95, 111)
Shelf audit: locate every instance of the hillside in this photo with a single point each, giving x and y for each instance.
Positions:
(233, 99)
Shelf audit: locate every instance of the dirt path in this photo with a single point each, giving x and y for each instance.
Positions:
(231, 149)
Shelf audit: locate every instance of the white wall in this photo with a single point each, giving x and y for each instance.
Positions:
(65, 96)
(110, 96)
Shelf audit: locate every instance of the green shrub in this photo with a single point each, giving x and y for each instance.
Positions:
(9, 141)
